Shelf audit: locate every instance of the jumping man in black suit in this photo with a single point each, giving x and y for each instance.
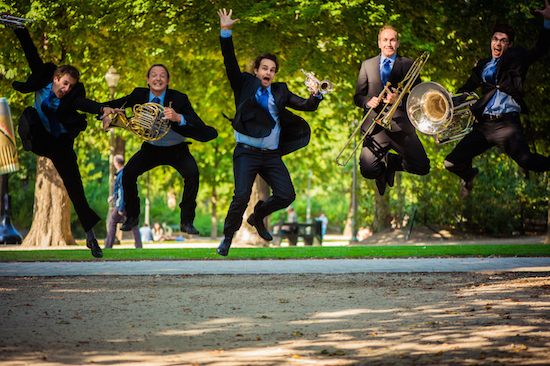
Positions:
(501, 78)
(264, 130)
(375, 161)
(51, 125)
(172, 149)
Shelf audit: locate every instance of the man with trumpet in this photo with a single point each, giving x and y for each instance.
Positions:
(51, 125)
(172, 149)
(265, 131)
(501, 78)
(374, 94)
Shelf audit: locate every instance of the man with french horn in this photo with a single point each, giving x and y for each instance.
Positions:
(374, 95)
(501, 78)
(171, 149)
(264, 131)
(49, 127)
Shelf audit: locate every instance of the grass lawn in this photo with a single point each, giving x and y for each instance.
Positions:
(505, 250)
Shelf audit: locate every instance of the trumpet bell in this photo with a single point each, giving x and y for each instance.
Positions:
(325, 87)
(430, 108)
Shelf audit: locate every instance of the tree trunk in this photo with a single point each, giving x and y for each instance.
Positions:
(51, 225)
(547, 239)
(248, 234)
(382, 216)
(214, 214)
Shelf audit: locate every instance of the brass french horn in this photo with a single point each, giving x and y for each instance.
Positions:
(146, 122)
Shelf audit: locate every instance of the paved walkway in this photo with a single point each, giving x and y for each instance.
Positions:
(321, 266)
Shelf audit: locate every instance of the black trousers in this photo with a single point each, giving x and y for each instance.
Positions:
(505, 133)
(246, 165)
(60, 151)
(411, 156)
(149, 157)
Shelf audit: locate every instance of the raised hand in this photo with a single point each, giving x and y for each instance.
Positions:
(545, 12)
(225, 19)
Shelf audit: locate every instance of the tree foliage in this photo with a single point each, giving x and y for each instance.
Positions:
(331, 38)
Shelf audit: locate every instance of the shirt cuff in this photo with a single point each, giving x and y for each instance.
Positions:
(546, 24)
(183, 122)
(225, 33)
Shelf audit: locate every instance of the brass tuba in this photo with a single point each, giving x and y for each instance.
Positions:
(146, 123)
(385, 116)
(434, 111)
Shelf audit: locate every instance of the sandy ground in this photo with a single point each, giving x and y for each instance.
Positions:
(362, 319)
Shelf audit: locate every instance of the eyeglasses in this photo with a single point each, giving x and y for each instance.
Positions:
(501, 40)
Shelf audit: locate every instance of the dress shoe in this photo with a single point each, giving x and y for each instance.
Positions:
(189, 229)
(260, 227)
(469, 185)
(96, 250)
(381, 184)
(129, 223)
(223, 249)
(24, 131)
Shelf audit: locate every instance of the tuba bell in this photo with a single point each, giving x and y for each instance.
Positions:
(432, 110)
(146, 123)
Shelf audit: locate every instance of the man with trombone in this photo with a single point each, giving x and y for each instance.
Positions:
(264, 130)
(501, 78)
(376, 93)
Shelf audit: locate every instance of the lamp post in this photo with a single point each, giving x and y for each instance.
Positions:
(111, 77)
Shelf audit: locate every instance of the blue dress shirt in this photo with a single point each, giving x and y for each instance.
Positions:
(39, 97)
(171, 138)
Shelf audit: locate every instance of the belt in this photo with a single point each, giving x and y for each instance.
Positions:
(492, 117)
(251, 147)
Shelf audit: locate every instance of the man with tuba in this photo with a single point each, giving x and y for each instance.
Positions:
(172, 149)
(265, 131)
(375, 161)
(501, 78)
(49, 127)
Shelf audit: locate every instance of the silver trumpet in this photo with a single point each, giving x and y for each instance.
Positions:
(323, 87)
(13, 22)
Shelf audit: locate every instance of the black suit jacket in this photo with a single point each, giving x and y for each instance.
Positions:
(42, 75)
(194, 128)
(370, 85)
(252, 120)
(510, 73)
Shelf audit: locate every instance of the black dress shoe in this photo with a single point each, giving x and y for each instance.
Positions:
(381, 184)
(260, 227)
(469, 185)
(24, 131)
(96, 250)
(223, 249)
(189, 229)
(129, 223)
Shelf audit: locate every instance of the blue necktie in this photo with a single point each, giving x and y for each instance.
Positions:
(264, 102)
(491, 79)
(385, 73)
(490, 74)
(156, 100)
(55, 127)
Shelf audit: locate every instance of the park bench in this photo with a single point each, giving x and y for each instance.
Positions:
(310, 232)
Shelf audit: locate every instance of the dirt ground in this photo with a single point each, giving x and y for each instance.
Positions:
(362, 319)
